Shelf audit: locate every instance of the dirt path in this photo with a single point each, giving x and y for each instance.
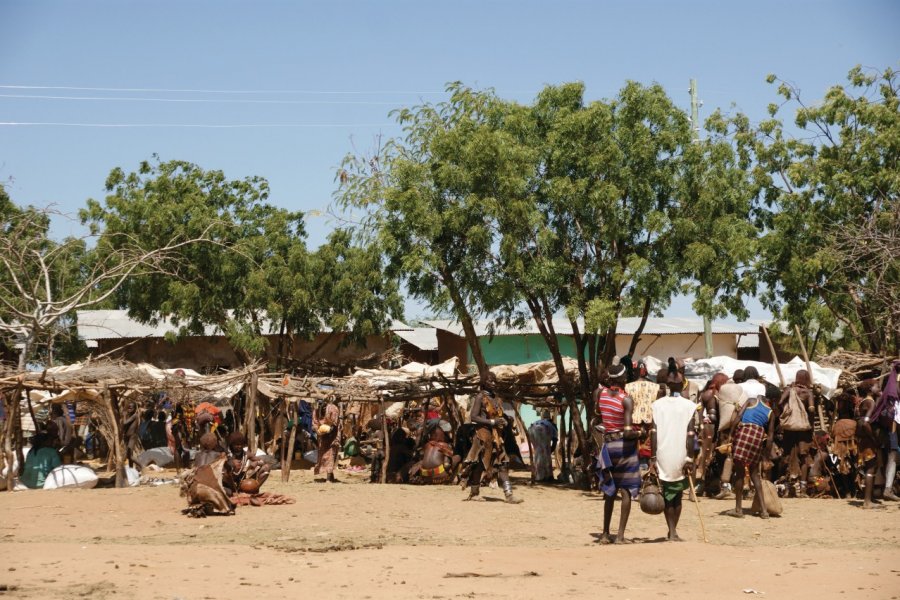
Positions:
(355, 540)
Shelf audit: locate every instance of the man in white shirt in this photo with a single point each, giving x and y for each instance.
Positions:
(672, 449)
(751, 385)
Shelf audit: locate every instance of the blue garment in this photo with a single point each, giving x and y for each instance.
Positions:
(757, 415)
(603, 468)
(548, 423)
(305, 417)
(618, 459)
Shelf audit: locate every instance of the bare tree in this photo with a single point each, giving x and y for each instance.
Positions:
(42, 280)
(872, 249)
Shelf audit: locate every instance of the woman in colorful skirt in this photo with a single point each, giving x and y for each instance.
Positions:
(755, 429)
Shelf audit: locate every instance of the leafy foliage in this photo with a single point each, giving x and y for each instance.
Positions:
(255, 275)
(831, 188)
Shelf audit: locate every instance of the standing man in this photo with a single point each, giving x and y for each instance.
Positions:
(617, 461)
(755, 430)
(672, 442)
(544, 437)
(710, 421)
(796, 408)
(325, 421)
(730, 398)
(487, 457)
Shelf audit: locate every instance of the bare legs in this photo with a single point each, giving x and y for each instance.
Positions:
(673, 514)
(608, 504)
(870, 484)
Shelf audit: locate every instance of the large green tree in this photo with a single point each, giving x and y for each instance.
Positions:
(832, 182)
(254, 276)
(427, 198)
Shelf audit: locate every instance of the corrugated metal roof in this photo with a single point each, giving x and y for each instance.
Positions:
(626, 326)
(114, 324)
(424, 338)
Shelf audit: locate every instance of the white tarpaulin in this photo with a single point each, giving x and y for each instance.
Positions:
(702, 370)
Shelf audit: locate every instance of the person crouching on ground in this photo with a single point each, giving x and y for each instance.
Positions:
(617, 463)
(754, 421)
(672, 443)
(41, 459)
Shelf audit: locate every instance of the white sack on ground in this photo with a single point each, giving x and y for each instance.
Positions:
(70, 476)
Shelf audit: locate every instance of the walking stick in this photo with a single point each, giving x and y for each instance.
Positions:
(697, 504)
(765, 331)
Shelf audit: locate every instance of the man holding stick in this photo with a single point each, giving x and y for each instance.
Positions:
(672, 444)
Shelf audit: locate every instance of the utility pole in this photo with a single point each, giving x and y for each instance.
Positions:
(695, 136)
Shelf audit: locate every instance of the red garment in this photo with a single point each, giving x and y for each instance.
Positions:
(612, 411)
(748, 444)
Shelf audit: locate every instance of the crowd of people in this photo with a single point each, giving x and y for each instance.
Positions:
(735, 433)
(739, 428)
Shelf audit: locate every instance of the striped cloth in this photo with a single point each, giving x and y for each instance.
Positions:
(622, 465)
(609, 405)
(748, 444)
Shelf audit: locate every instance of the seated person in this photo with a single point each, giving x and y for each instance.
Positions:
(210, 450)
(437, 454)
(41, 459)
(244, 469)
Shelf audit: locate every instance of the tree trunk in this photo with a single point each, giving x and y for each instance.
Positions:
(250, 415)
(609, 347)
(465, 319)
(544, 323)
(118, 441)
(640, 330)
(27, 345)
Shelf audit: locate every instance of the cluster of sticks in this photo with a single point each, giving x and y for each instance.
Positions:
(393, 389)
(855, 366)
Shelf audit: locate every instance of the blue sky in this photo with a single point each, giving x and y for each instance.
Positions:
(324, 75)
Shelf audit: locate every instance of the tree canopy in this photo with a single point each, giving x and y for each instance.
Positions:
(829, 257)
(254, 275)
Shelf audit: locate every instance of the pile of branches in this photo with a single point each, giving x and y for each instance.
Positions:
(854, 366)
(403, 389)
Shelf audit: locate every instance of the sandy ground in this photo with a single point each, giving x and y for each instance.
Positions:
(355, 540)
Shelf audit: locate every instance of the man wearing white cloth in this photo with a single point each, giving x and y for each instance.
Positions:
(672, 443)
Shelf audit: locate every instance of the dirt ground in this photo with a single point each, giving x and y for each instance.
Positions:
(355, 540)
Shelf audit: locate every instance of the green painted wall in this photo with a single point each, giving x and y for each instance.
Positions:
(520, 350)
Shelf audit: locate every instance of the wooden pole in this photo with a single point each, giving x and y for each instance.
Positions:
(9, 448)
(251, 414)
(697, 504)
(118, 446)
(774, 355)
(387, 443)
(521, 423)
(294, 414)
(812, 380)
(563, 443)
(285, 465)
